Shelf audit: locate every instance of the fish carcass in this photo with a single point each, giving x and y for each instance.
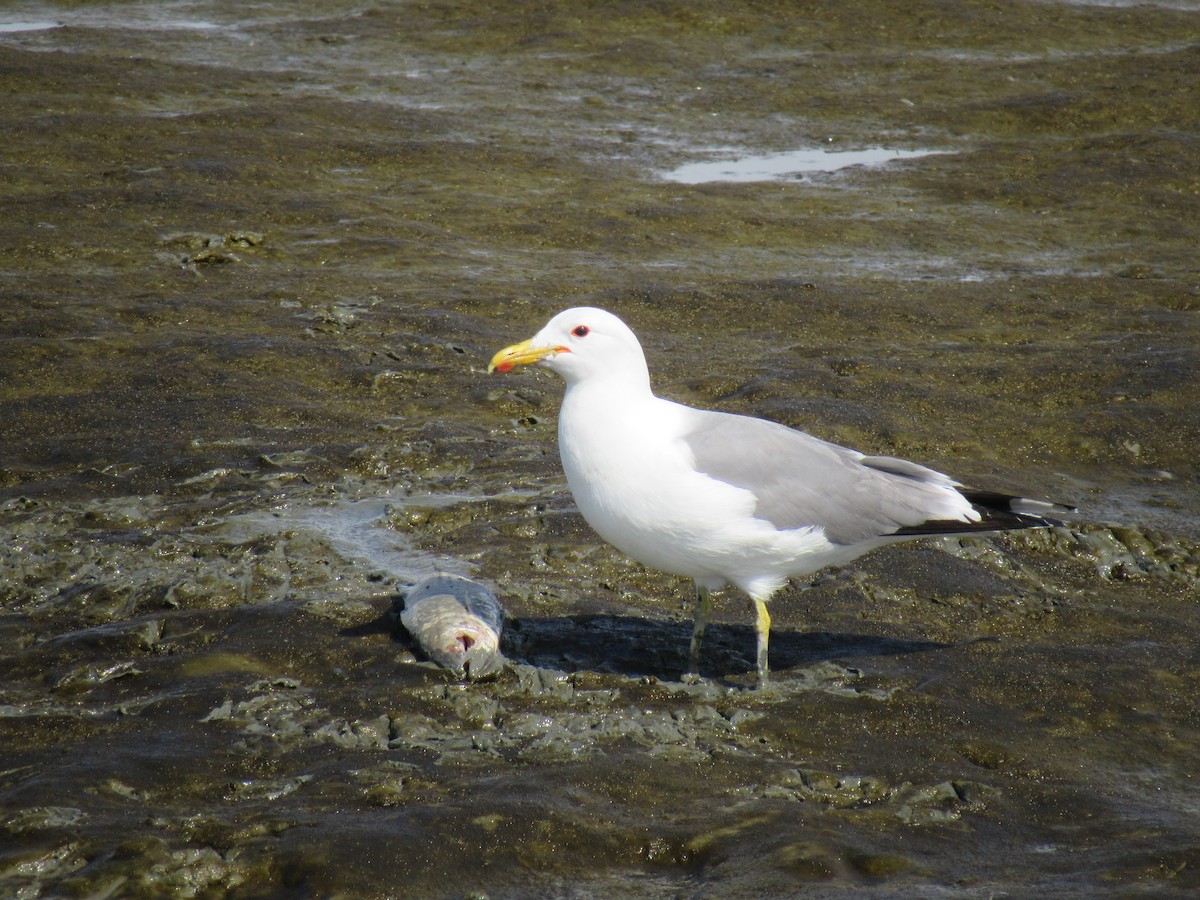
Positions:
(456, 622)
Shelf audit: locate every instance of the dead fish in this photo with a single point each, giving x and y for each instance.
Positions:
(456, 622)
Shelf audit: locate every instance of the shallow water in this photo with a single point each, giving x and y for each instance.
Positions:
(788, 164)
(254, 261)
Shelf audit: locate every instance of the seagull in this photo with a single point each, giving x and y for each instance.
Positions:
(728, 499)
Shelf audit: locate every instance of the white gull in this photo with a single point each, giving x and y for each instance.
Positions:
(729, 499)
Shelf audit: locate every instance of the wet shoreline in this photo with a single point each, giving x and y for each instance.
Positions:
(253, 265)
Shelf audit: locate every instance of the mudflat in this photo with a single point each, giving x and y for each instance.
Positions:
(253, 262)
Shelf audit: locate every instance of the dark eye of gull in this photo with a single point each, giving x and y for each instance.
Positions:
(580, 331)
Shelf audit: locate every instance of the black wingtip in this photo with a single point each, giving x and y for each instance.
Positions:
(997, 512)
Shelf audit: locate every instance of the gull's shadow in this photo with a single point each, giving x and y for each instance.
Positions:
(636, 647)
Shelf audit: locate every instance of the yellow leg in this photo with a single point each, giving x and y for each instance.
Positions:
(699, 622)
(762, 629)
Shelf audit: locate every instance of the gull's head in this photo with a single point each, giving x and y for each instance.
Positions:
(579, 343)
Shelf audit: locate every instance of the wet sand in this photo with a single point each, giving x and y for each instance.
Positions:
(254, 261)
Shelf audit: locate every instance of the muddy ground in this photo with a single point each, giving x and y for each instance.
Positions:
(253, 262)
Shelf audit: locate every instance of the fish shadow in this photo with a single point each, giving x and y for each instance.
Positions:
(386, 622)
(637, 648)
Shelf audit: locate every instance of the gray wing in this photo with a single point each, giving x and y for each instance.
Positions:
(800, 480)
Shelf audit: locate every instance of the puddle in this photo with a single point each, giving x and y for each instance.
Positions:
(14, 27)
(778, 166)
